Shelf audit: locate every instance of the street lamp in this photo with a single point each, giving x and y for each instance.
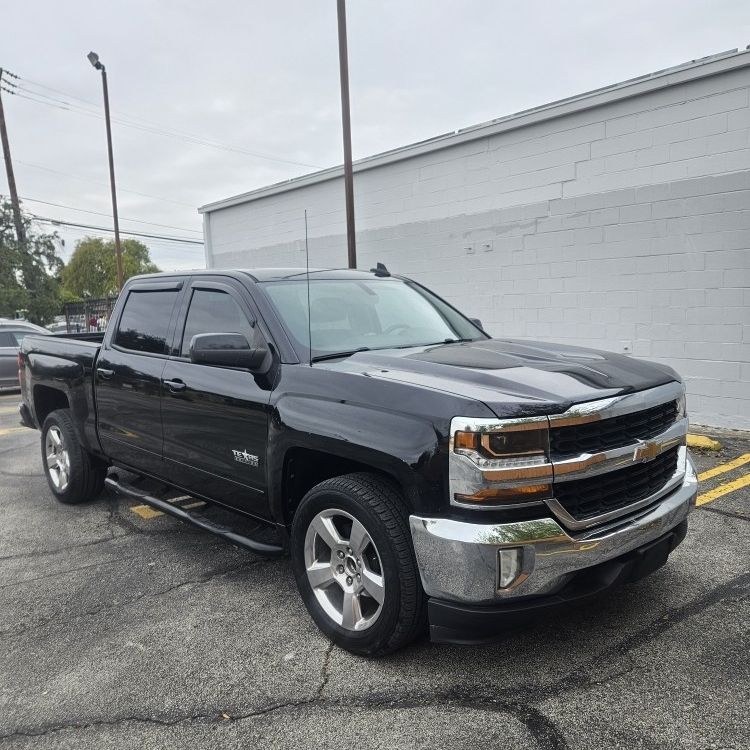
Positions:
(94, 60)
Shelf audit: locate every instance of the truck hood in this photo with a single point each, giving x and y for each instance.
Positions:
(511, 377)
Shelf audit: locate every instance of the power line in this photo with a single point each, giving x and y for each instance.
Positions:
(49, 88)
(130, 121)
(111, 231)
(102, 184)
(109, 216)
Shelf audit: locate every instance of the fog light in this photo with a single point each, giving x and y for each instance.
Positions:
(508, 566)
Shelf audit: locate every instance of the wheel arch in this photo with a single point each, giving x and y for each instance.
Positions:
(48, 399)
(305, 467)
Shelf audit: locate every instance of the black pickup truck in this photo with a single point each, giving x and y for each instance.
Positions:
(416, 470)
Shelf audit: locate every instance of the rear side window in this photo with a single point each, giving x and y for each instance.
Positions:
(213, 311)
(145, 321)
(6, 339)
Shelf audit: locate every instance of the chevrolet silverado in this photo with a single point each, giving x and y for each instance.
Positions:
(418, 472)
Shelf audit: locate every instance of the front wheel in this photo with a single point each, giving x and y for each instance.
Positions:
(354, 564)
(71, 472)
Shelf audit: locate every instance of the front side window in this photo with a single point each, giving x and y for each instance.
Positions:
(349, 314)
(214, 311)
(7, 339)
(144, 322)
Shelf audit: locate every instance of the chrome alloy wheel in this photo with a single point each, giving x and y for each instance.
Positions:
(58, 460)
(344, 569)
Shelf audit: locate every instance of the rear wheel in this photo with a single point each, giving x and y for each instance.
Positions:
(354, 564)
(72, 474)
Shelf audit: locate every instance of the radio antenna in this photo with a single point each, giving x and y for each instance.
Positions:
(309, 310)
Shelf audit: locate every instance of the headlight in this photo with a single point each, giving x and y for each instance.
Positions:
(525, 447)
(500, 463)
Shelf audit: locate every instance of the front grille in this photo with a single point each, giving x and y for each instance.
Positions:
(594, 437)
(587, 498)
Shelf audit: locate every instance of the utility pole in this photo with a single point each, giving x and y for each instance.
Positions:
(9, 171)
(94, 60)
(347, 128)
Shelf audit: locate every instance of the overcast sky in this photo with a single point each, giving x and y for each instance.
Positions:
(261, 79)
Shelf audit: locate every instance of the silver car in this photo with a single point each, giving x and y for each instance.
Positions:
(11, 335)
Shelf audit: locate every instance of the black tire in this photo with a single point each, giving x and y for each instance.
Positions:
(85, 477)
(380, 508)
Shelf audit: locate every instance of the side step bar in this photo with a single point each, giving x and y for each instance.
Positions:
(269, 550)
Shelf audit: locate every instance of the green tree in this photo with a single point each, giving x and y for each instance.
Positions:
(29, 271)
(92, 269)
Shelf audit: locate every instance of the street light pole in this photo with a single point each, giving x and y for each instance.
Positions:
(94, 60)
(347, 128)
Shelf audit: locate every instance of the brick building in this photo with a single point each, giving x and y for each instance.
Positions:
(618, 219)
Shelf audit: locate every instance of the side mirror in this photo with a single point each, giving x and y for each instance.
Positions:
(477, 323)
(227, 350)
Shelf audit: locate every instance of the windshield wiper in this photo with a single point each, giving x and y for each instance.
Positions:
(336, 355)
(450, 341)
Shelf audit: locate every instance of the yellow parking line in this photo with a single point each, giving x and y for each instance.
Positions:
(9, 410)
(13, 430)
(723, 489)
(147, 512)
(723, 468)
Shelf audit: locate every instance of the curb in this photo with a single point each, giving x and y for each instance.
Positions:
(703, 442)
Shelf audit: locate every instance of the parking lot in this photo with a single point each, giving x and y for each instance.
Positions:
(125, 628)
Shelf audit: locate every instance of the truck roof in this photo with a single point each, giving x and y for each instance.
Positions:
(278, 274)
(271, 274)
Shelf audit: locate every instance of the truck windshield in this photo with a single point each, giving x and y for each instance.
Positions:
(357, 314)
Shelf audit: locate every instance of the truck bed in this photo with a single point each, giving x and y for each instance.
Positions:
(80, 348)
(58, 372)
(97, 337)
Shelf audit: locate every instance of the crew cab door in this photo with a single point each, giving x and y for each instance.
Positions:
(129, 372)
(215, 419)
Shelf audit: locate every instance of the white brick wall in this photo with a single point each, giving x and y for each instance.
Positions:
(624, 226)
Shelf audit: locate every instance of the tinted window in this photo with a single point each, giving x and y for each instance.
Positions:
(6, 339)
(145, 321)
(212, 311)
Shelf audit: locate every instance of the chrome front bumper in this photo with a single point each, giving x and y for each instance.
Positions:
(458, 561)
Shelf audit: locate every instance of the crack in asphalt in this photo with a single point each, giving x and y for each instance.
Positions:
(523, 702)
(737, 587)
(324, 674)
(97, 564)
(58, 550)
(15, 632)
(727, 513)
(544, 731)
(129, 529)
(201, 539)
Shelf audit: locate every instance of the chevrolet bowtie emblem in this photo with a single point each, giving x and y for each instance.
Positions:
(646, 452)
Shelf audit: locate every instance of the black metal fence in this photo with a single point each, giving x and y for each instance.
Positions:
(89, 316)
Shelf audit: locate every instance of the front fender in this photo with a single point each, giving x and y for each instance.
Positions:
(406, 447)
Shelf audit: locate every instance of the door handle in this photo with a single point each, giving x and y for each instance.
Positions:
(104, 373)
(175, 386)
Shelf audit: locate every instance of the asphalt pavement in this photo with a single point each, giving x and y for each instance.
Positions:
(121, 628)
